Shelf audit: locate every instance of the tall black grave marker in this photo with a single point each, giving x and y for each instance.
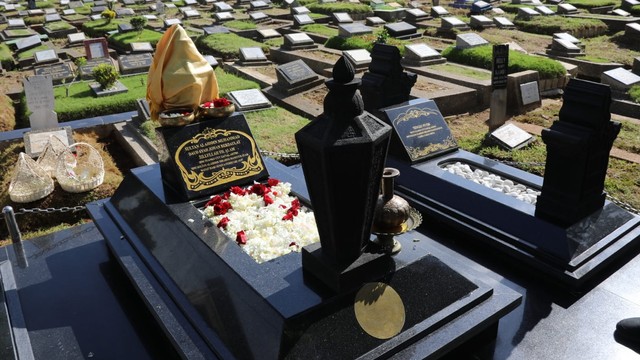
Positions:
(386, 83)
(578, 146)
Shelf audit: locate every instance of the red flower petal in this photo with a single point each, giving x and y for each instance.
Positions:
(223, 222)
(273, 182)
(267, 199)
(238, 190)
(241, 237)
(214, 200)
(288, 216)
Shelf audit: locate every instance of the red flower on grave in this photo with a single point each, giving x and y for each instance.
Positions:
(241, 237)
(223, 222)
(221, 208)
(268, 200)
(288, 216)
(221, 102)
(214, 200)
(238, 190)
(273, 182)
(259, 189)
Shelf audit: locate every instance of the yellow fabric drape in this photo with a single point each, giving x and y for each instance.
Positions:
(179, 76)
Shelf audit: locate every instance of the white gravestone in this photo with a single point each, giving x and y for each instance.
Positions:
(40, 102)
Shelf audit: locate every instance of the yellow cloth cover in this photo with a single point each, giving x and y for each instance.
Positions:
(179, 76)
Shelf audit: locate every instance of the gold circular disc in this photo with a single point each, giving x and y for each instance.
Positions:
(379, 310)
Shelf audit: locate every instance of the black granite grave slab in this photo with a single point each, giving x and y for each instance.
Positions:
(135, 63)
(215, 30)
(572, 254)
(208, 156)
(400, 29)
(202, 286)
(295, 77)
(60, 73)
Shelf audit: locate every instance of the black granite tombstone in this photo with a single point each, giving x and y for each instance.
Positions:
(578, 146)
(214, 301)
(386, 83)
(343, 154)
(135, 63)
(205, 157)
(420, 131)
(295, 77)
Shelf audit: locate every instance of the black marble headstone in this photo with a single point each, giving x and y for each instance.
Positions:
(206, 157)
(59, 72)
(135, 63)
(578, 147)
(295, 76)
(420, 131)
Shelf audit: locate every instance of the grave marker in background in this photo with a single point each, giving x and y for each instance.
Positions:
(38, 91)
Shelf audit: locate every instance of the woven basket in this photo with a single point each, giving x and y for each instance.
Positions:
(29, 181)
(80, 168)
(48, 159)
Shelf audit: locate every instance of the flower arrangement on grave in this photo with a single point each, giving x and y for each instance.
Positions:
(172, 86)
(218, 107)
(264, 219)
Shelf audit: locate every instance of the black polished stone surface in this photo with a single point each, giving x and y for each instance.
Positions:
(67, 299)
(571, 254)
(226, 297)
(209, 156)
(552, 322)
(420, 131)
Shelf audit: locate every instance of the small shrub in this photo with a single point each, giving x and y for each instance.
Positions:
(138, 22)
(634, 93)
(106, 75)
(108, 15)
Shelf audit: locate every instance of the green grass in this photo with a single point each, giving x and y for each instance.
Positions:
(45, 4)
(22, 32)
(548, 25)
(80, 94)
(226, 46)
(6, 56)
(58, 25)
(460, 70)
(320, 30)
(331, 8)
(241, 25)
(228, 82)
(75, 17)
(589, 4)
(123, 39)
(634, 93)
(97, 28)
(29, 53)
(274, 129)
(481, 56)
(32, 20)
(593, 59)
(275, 42)
(628, 137)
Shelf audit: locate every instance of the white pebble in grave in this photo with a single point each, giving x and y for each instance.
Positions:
(494, 182)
